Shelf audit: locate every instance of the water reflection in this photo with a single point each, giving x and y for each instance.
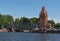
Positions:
(43, 37)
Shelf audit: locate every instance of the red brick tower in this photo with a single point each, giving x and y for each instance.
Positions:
(44, 19)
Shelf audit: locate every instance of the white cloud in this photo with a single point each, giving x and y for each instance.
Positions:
(56, 20)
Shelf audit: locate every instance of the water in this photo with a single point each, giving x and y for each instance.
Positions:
(18, 36)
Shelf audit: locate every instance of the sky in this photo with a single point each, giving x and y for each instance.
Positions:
(30, 8)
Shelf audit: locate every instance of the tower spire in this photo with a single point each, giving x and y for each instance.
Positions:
(43, 10)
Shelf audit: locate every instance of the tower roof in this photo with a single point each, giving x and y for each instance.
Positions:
(43, 10)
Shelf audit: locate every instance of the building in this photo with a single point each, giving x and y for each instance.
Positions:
(43, 20)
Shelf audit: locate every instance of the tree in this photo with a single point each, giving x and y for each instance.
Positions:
(3, 20)
(57, 25)
(34, 20)
(24, 19)
(17, 21)
(51, 22)
(0, 19)
(9, 18)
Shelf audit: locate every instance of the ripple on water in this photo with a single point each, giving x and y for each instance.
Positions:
(17, 36)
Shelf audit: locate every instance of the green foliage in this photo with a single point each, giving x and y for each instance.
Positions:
(57, 25)
(9, 18)
(51, 22)
(24, 19)
(34, 20)
(5, 19)
(17, 20)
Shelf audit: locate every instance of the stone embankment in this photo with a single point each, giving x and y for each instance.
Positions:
(47, 31)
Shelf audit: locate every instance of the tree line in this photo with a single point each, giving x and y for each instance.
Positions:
(6, 19)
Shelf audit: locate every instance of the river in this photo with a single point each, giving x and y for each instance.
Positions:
(18, 36)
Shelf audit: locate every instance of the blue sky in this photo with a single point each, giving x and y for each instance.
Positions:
(30, 8)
